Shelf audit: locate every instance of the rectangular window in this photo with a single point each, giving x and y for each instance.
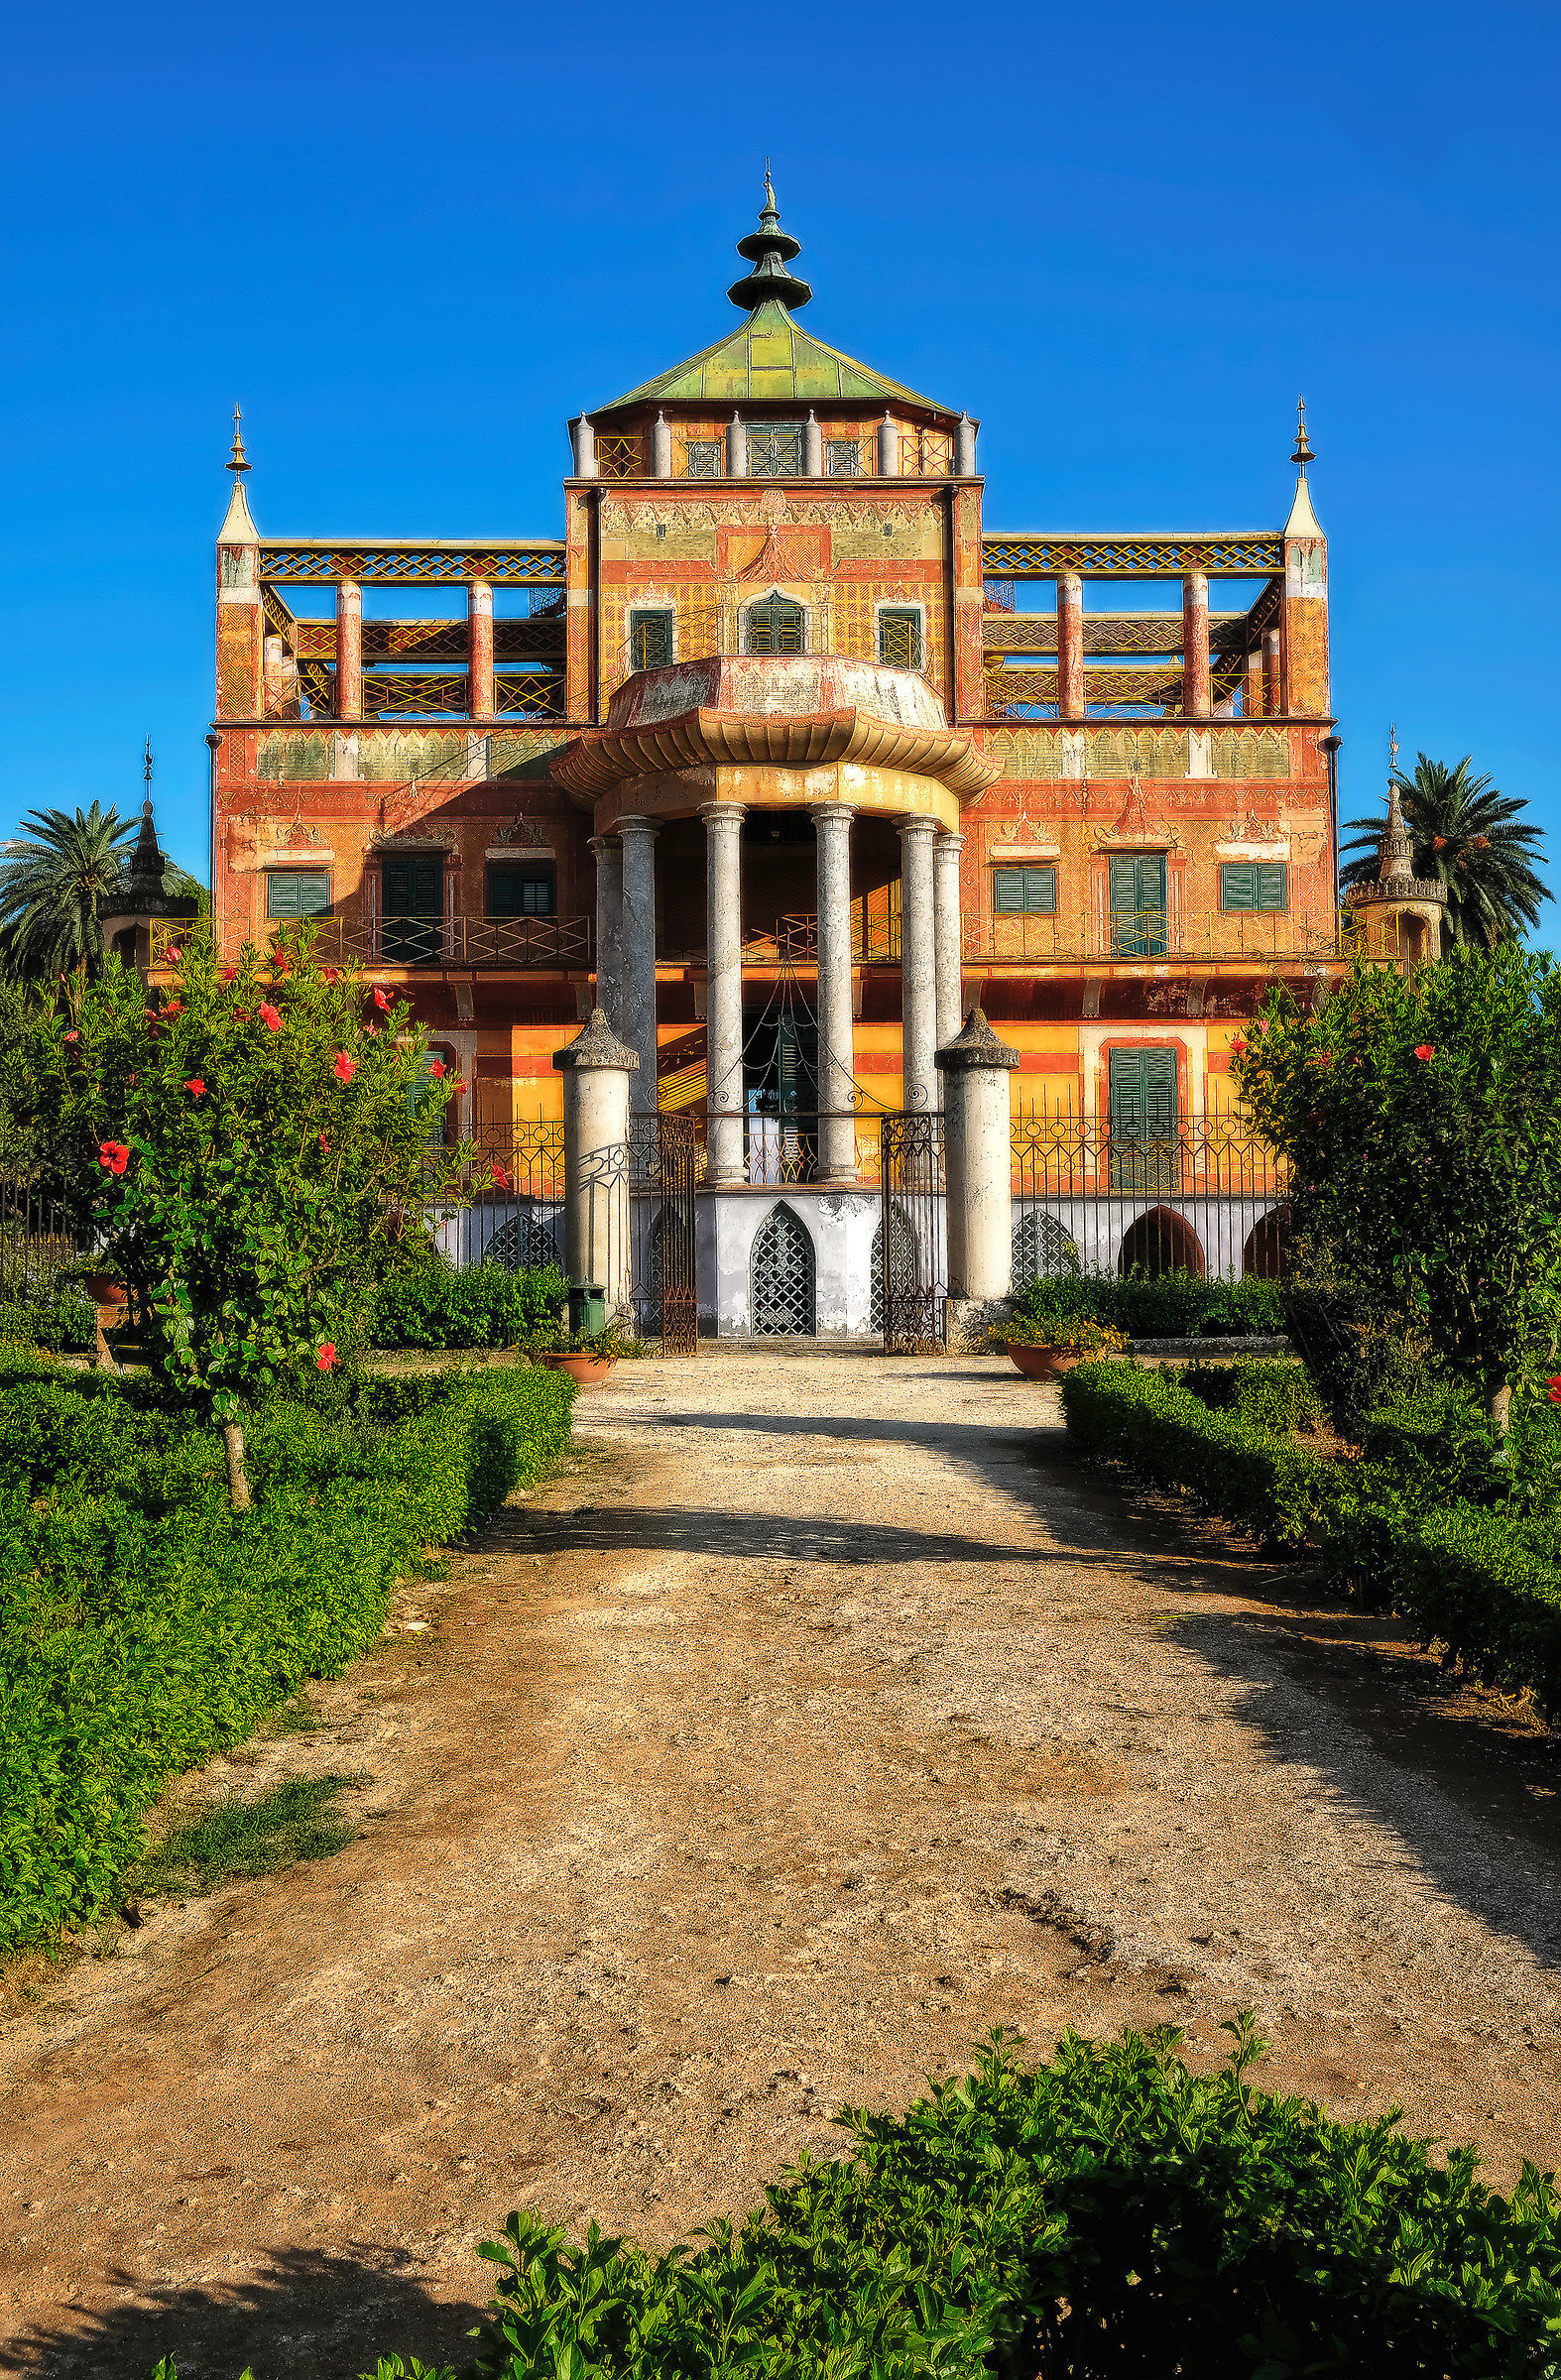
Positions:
(520, 889)
(1254, 885)
(413, 931)
(1137, 900)
(842, 458)
(1142, 1094)
(650, 639)
(774, 450)
(899, 640)
(1024, 892)
(298, 892)
(704, 458)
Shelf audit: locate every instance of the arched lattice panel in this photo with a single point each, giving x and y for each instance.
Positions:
(1041, 1250)
(904, 1262)
(782, 1277)
(523, 1244)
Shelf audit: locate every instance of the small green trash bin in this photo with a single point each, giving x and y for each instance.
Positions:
(587, 1308)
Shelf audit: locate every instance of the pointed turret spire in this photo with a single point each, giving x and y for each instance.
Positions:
(237, 460)
(1303, 452)
(770, 250)
(1396, 857)
(238, 529)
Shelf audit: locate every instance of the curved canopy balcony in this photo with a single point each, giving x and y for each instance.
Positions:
(774, 730)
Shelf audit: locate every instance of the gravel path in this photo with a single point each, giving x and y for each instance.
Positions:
(821, 1715)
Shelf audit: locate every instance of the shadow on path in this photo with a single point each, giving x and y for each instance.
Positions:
(310, 2316)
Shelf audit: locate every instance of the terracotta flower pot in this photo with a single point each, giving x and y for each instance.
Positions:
(589, 1370)
(104, 1291)
(1040, 1362)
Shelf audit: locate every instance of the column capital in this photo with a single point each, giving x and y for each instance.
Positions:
(915, 826)
(635, 824)
(949, 841)
(825, 812)
(714, 811)
(598, 843)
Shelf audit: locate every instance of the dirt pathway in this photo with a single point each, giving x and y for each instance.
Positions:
(820, 1718)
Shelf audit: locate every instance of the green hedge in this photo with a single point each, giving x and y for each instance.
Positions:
(1483, 1583)
(1160, 1430)
(144, 1626)
(1104, 2214)
(487, 1306)
(1176, 1305)
(1270, 1394)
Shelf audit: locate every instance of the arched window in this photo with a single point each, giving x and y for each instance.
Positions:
(1161, 1242)
(782, 1290)
(523, 1244)
(1267, 1245)
(775, 625)
(904, 1262)
(1041, 1250)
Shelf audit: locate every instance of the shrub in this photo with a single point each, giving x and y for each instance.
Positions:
(1271, 1395)
(1081, 1335)
(1160, 1430)
(1175, 1305)
(1106, 2212)
(144, 1625)
(484, 1307)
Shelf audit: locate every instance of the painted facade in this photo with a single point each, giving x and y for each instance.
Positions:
(762, 544)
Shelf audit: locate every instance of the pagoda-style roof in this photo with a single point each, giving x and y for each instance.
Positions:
(769, 359)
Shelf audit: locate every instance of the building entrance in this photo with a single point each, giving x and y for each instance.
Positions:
(780, 1096)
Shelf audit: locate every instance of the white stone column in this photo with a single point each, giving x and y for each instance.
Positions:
(977, 1137)
(638, 837)
(584, 437)
(837, 1147)
(596, 1068)
(945, 904)
(965, 447)
(608, 854)
(479, 650)
(736, 448)
(813, 446)
(661, 448)
(887, 448)
(723, 827)
(917, 963)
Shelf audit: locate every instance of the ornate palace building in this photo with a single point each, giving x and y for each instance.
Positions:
(787, 758)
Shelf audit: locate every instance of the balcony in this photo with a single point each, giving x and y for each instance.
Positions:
(1157, 937)
(462, 941)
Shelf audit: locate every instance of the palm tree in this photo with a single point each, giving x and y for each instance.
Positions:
(49, 888)
(1463, 837)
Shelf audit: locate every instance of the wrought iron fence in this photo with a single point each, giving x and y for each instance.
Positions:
(515, 1190)
(666, 1163)
(910, 1246)
(782, 1151)
(36, 1239)
(1205, 1196)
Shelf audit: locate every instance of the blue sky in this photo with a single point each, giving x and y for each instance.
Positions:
(411, 242)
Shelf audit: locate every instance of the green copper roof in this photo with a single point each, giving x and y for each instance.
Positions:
(769, 359)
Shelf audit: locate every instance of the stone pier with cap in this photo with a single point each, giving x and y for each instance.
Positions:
(596, 1067)
(974, 1068)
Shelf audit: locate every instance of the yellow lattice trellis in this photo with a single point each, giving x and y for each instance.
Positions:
(617, 457)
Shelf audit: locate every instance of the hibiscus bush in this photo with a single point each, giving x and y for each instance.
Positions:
(1421, 1117)
(256, 1139)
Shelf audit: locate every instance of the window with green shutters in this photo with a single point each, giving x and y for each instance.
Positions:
(413, 930)
(1143, 1119)
(777, 624)
(650, 639)
(1136, 897)
(1024, 892)
(298, 892)
(1254, 885)
(899, 640)
(518, 890)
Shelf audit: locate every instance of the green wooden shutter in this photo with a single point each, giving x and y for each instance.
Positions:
(1238, 885)
(1273, 885)
(298, 892)
(1149, 887)
(1159, 1091)
(1007, 890)
(1122, 886)
(412, 888)
(1041, 892)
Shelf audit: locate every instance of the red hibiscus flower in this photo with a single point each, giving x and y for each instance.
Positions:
(269, 1018)
(346, 1068)
(326, 1356)
(72, 1037)
(324, 1139)
(333, 975)
(1237, 1048)
(171, 1007)
(113, 1156)
(230, 974)
(457, 1086)
(435, 1069)
(1553, 1389)
(1425, 1053)
(195, 1087)
(173, 957)
(381, 998)
(501, 1180)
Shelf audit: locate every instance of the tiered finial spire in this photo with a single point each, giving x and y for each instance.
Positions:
(770, 250)
(238, 460)
(147, 770)
(1302, 454)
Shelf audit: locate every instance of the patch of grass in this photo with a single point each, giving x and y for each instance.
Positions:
(296, 1718)
(231, 1840)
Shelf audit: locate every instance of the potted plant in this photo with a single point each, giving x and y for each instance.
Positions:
(590, 1357)
(1044, 1349)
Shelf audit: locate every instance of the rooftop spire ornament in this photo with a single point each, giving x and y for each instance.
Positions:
(770, 250)
(1303, 452)
(238, 460)
(147, 770)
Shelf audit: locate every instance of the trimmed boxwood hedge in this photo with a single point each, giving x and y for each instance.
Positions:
(433, 1305)
(1171, 1305)
(1106, 2214)
(1484, 1584)
(144, 1626)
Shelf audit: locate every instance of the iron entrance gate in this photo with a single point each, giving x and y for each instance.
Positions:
(664, 1169)
(909, 1261)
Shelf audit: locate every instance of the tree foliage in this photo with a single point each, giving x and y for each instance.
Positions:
(1466, 837)
(252, 1141)
(1421, 1118)
(51, 887)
